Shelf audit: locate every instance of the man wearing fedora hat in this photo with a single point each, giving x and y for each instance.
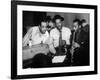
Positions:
(59, 36)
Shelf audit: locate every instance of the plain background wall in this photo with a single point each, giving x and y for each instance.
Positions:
(5, 40)
(69, 17)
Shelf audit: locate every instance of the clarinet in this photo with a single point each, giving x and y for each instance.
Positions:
(72, 47)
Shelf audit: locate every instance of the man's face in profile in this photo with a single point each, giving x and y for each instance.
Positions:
(43, 27)
(58, 23)
(83, 24)
(51, 24)
(76, 26)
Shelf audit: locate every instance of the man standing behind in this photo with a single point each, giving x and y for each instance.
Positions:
(59, 36)
(50, 23)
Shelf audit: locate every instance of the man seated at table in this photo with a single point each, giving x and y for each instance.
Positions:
(35, 36)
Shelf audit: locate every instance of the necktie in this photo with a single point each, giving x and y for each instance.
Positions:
(60, 42)
(60, 39)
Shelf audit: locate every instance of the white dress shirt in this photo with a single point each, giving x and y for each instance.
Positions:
(54, 38)
(55, 34)
(35, 36)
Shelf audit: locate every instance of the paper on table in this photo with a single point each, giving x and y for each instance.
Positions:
(58, 59)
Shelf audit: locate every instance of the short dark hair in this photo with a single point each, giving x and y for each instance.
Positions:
(48, 18)
(76, 20)
(42, 20)
(83, 21)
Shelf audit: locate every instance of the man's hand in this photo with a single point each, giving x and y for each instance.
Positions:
(52, 49)
(63, 42)
(76, 45)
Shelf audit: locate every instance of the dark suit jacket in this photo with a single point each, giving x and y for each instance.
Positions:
(81, 36)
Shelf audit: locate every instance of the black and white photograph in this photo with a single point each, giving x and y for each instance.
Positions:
(53, 39)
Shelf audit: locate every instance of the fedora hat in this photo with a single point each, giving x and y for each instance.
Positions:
(58, 17)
